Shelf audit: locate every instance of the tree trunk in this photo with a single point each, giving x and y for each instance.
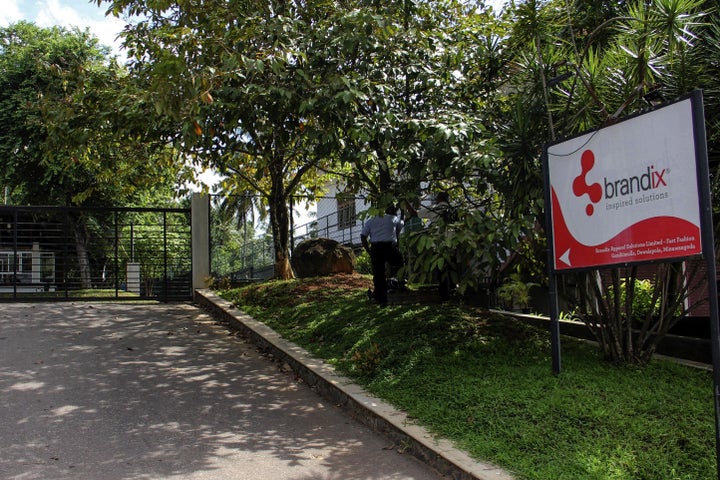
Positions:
(83, 257)
(610, 317)
(280, 225)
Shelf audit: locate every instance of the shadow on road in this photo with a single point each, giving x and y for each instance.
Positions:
(125, 391)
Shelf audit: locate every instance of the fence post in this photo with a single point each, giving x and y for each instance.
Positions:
(200, 225)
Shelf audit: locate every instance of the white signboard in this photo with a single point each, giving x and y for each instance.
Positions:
(626, 193)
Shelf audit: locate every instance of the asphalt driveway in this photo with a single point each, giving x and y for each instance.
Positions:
(114, 391)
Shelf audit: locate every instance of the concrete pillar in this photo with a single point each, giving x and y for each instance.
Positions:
(200, 215)
(133, 277)
(35, 262)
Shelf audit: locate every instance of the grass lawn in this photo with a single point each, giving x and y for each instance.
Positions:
(485, 382)
(99, 293)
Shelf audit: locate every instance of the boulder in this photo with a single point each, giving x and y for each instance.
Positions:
(318, 257)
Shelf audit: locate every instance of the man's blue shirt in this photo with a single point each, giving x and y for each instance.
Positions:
(382, 229)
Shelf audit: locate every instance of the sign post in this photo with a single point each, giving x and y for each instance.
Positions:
(637, 191)
(709, 249)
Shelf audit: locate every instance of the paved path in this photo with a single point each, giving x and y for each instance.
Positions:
(127, 391)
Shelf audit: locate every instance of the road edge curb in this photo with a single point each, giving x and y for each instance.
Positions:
(341, 391)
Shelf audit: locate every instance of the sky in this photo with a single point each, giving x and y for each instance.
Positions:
(67, 13)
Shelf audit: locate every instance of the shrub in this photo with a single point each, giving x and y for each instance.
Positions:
(642, 304)
(362, 262)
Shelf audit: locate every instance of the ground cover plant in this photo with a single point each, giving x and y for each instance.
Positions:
(485, 382)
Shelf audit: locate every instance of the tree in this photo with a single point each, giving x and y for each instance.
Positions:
(273, 93)
(242, 78)
(400, 97)
(406, 103)
(32, 60)
(66, 128)
(233, 232)
(582, 75)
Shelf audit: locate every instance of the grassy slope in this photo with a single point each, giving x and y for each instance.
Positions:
(485, 382)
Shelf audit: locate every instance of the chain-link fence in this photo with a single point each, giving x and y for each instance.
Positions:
(239, 255)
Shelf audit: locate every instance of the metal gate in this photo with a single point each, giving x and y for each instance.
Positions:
(95, 253)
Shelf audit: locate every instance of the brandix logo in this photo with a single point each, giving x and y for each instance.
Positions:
(650, 179)
(580, 186)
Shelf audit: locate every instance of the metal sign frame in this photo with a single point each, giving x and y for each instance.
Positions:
(625, 193)
(701, 177)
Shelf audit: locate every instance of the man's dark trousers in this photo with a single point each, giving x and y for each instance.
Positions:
(380, 253)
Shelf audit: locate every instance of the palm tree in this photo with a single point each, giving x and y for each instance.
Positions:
(580, 70)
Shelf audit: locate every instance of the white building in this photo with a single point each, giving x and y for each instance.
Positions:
(337, 218)
(26, 270)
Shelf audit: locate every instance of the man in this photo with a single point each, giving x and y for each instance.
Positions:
(441, 209)
(382, 232)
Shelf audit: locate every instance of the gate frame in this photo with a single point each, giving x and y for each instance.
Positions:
(198, 241)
